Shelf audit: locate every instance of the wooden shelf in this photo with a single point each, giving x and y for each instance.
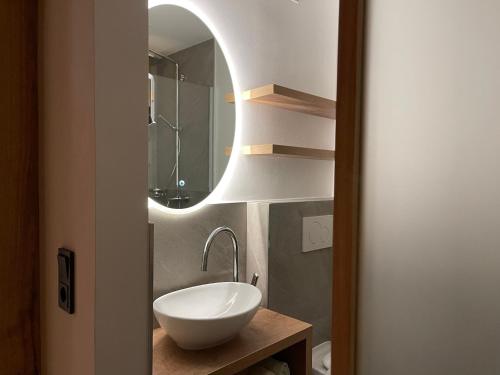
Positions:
(289, 99)
(285, 151)
(268, 334)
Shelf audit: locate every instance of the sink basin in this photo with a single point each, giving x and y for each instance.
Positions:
(207, 315)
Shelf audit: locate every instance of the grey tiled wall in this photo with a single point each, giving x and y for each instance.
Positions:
(294, 283)
(300, 284)
(179, 241)
(196, 63)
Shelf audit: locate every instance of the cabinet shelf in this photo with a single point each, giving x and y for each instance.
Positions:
(289, 99)
(268, 334)
(285, 151)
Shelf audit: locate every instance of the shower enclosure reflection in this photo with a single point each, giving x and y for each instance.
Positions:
(189, 121)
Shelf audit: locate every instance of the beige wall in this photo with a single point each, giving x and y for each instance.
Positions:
(122, 257)
(67, 181)
(430, 251)
(93, 185)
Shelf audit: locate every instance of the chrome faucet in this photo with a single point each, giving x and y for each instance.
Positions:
(209, 243)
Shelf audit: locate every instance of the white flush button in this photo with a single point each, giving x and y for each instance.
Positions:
(317, 232)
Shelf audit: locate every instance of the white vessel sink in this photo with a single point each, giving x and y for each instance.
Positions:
(207, 315)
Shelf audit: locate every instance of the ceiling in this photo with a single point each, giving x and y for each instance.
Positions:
(172, 28)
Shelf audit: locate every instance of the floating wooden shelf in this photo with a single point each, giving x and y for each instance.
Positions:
(289, 99)
(286, 151)
(268, 334)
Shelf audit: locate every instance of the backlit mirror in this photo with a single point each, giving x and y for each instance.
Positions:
(190, 123)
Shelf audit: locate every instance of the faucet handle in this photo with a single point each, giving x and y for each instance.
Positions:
(255, 278)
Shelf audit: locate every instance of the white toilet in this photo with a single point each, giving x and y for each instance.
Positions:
(321, 358)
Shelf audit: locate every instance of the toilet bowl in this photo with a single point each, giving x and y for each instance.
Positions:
(321, 358)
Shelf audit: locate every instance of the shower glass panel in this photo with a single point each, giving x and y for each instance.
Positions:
(194, 150)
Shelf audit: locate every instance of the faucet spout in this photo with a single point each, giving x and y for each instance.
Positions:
(208, 245)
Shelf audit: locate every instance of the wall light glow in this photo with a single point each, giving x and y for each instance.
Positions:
(221, 187)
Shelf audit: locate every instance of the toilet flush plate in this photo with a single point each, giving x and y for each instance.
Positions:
(317, 232)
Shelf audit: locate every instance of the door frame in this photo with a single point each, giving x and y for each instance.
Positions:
(347, 167)
(19, 255)
(347, 181)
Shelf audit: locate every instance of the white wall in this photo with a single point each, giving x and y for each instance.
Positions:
(430, 251)
(294, 45)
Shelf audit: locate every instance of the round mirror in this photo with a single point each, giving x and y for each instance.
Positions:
(190, 122)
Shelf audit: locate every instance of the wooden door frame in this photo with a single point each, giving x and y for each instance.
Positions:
(347, 179)
(19, 260)
(19, 224)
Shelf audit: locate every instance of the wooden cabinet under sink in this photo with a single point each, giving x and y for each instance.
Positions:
(268, 334)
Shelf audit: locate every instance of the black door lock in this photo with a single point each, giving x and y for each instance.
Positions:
(66, 287)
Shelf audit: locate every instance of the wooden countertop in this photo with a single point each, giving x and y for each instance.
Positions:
(268, 333)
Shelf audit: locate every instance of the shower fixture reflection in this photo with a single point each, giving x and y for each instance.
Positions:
(190, 121)
(158, 192)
